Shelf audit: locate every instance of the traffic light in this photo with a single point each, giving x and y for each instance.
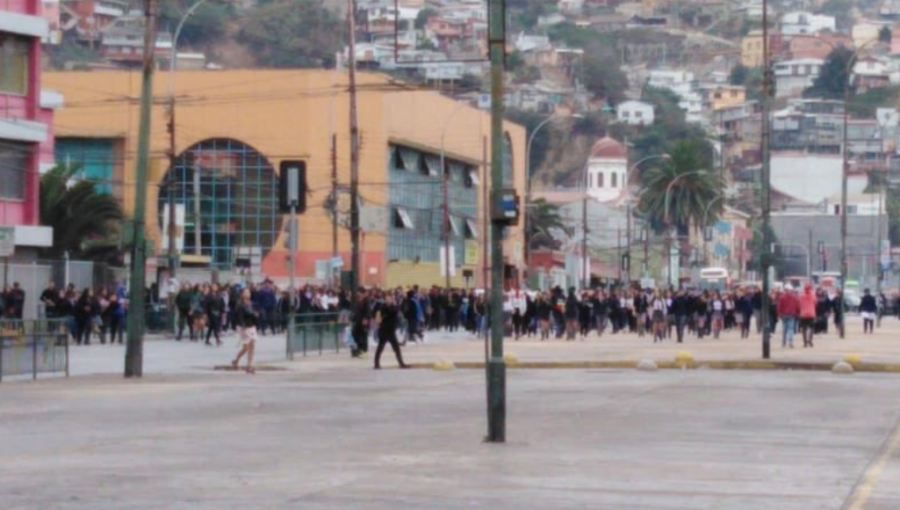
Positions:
(292, 186)
(626, 261)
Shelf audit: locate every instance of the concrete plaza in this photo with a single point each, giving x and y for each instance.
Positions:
(330, 433)
(164, 356)
(392, 439)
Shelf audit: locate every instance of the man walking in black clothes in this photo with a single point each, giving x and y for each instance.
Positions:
(387, 330)
(360, 329)
(50, 297)
(680, 311)
(214, 306)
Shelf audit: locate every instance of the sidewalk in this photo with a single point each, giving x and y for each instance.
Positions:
(163, 355)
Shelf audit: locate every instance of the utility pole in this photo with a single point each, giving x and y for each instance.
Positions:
(445, 218)
(585, 259)
(170, 182)
(809, 251)
(619, 249)
(845, 153)
(645, 234)
(134, 355)
(486, 210)
(497, 366)
(334, 195)
(628, 239)
(765, 257)
(354, 154)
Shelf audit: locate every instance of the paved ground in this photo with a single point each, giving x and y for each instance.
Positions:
(350, 438)
(164, 356)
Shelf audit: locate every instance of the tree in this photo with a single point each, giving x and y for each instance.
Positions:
(526, 12)
(293, 33)
(692, 192)
(544, 220)
(758, 248)
(834, 77)
(669, 128)
(842, 10)
(206, 24)
(78, 212)
(423, 17)
(739, 74)
(602, 74)
(865, 105)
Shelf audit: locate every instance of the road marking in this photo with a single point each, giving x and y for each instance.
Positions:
(863, 489)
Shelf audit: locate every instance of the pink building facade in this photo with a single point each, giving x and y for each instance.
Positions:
(26, 138)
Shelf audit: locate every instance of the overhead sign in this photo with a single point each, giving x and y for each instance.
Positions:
(7, 241)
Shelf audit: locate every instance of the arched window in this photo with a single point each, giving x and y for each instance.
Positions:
(237, 197)
(614, 182)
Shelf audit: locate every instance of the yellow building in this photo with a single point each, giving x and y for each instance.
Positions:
(723, 96)
(752, 49)
(232, 130)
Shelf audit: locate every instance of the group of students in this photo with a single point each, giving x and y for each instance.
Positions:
(88, 312)
(213, 308)
(12, 302)
(668, 314)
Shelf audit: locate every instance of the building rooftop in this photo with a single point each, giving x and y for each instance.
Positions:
(608, 147)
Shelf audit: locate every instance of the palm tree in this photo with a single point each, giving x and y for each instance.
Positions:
(691, 193)
(544, 218)
(78, 213)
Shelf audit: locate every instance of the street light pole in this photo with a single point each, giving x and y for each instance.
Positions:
(445, 192)
(706, 225)
(528, 181)
(668, 222)
(173, 58)
(765, 191)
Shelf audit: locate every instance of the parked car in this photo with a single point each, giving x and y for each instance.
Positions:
(852, 300)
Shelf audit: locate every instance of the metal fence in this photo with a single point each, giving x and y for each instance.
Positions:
(33, 347)
(33, 278)
(316, 332)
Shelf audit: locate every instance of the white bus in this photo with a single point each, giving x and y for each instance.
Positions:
(714, 278)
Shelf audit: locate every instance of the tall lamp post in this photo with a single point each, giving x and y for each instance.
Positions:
(629, 209)
(668, 218)
(445, 191)
(170, 184)
(845, 156)
(706, 225)
(528, 178)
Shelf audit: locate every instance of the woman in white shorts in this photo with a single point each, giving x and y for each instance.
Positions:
(247, 319)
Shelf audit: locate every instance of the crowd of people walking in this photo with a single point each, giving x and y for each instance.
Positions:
(206, 312)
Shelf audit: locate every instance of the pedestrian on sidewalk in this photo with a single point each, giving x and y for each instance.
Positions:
(183, 305)
(788, 311)
(808, 315)
(388, 317)
(248, 320)
(868, 309)
(214, 305)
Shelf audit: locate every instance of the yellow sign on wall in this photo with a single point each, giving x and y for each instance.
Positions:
(471, 253)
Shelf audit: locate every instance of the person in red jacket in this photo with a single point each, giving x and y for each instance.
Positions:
(788, 311)
(807, 315)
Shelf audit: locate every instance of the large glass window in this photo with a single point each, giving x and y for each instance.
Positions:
(14, 159)
(237, 191)
(95, 157)
(417, 200)
(13, 64)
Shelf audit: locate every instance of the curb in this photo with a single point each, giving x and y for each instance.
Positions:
(889, 368)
